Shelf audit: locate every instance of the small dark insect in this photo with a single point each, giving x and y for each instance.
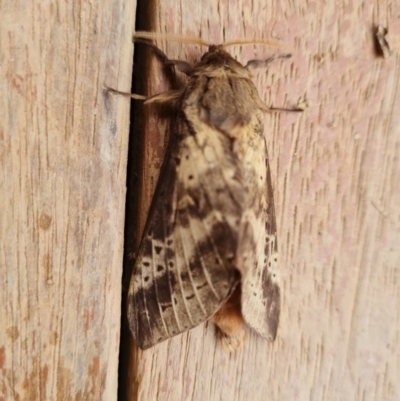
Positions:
(384, 48)
(209, 249)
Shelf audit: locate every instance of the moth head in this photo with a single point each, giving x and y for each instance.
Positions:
(216, 55)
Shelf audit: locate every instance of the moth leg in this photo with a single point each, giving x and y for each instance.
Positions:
(230, 322)
(252, 64)
(182, 66)
(160, 97)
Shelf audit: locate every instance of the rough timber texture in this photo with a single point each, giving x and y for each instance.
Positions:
(63, 148)
(335, 169)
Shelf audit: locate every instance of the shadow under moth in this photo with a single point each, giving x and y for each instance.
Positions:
(209, 248)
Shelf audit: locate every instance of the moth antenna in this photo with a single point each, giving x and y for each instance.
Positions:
(268, 42)
(198, 41)
(171, 37)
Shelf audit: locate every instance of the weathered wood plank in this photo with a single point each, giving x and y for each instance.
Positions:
(338, 205)
(63, 171)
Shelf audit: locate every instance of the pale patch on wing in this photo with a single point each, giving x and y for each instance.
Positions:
(257, 256)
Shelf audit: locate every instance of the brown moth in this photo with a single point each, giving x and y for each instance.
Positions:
(209, 248)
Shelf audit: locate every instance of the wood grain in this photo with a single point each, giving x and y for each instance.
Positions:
(338, 205)
(63, 151)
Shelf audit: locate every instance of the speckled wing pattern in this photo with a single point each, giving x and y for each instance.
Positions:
(257, 255)
(212, 224)
(184, 270)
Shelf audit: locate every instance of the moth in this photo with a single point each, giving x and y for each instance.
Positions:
(209, 249)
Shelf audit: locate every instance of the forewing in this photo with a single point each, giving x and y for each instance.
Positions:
(185, 270)
(257, 256)
(233, 106)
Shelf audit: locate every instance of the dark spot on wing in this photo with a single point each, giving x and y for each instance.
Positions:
(169, 254)
(164, 307)
(200, 286)
(184, 276)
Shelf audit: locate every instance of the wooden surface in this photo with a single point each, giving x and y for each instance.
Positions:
(335, 170)
(63, 151)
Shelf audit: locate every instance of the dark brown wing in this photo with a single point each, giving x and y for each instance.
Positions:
(184, 270)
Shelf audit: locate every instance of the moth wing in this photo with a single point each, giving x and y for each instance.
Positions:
(238, 112)
(184, 270)
(257, 255)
